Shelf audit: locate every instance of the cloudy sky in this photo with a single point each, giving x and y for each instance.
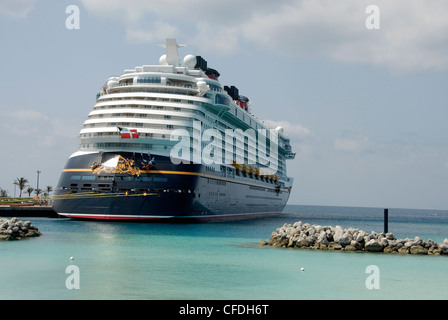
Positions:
(366, 109)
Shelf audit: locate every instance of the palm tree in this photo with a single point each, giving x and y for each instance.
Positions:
(38, 191)
(49, 189)
(30, 190)
(3, 192)
(21, 183)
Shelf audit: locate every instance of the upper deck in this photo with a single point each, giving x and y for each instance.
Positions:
(154, 100)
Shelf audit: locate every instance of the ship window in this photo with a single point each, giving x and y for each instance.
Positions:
(159, 179)
(221, 99)
(76, 177)
(88, 178)
(106, 177)
(143, 179)
(149, 80)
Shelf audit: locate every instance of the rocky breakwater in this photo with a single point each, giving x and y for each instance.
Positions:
(304, 235)
(15, 229)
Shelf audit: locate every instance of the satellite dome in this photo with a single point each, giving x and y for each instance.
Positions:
(163, 61)
(112, 82)
(279, 129)
(190, 61)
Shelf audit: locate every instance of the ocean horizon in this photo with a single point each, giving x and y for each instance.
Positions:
(220, 260)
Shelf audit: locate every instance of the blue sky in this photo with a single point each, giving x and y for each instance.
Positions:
(365, 109)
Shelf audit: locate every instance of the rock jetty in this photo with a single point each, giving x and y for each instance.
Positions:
(15, 229)
(304, 235)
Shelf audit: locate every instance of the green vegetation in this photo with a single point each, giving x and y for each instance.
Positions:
(10, 200)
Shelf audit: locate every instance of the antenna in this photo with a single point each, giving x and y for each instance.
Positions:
(172, 56)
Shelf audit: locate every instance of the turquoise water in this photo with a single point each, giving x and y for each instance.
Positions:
(220, 260)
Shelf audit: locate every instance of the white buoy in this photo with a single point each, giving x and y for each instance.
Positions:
(71, 258)
(302, 269)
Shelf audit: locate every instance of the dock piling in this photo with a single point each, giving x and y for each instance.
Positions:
(386, 220)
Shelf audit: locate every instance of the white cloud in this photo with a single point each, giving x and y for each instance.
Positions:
(27, 115)
(351, 145)
(413, 34)
(292, 130)
(16, 8)
(154, 32)
(35, 129)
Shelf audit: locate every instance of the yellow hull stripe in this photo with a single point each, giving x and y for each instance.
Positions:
(144, 171)
(188, 174)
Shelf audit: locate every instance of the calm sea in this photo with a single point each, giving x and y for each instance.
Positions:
(220, 260)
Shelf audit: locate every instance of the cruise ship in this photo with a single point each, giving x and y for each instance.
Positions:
(169, 141)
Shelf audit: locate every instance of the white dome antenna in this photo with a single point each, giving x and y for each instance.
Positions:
(162, 60)
(190, 61)
(280, 129)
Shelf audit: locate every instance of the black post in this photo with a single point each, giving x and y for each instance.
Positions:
(386, 220)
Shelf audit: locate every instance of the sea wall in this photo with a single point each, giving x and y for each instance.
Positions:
(304, 235)
(24, 210)
(15, 229)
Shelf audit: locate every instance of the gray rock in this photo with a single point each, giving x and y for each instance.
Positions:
(409, 244)
(418, 241)
(350, 248)
(322, 238)
(434, 250)
(338, 234)
(360, 236)
(390, 236)
(290, 231)
(443, 248)
(394, 243)
(384, 242)
(373, 246)
(403, 250)
(311, 240)
(418, 250)
(334, 246)
(301, 242)
(297, 224)
(345, 239)
(390, 249)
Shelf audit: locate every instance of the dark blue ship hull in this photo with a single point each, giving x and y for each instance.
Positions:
(129, 186)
